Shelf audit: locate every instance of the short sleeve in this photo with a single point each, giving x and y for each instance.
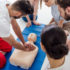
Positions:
(4, 20)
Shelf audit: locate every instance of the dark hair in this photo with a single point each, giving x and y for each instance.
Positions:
(54, 40)
(63, 3)
(23, 6)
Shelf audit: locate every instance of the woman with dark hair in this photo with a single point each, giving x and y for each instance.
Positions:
(32, 17)
(53, 43)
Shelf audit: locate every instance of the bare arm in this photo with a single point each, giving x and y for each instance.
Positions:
(28, 18)
(61, 23)
(17, 30)
(52, 21)
(13, 42)
(18, 45)
(35, 9)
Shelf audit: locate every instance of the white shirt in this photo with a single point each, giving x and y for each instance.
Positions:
(5, 20)
(65, 66)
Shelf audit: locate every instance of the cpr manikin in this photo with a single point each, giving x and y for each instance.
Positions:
(25, 59)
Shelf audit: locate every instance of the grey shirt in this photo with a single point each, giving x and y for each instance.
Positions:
(56, 14)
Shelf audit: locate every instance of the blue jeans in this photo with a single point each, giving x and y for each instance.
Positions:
(31, 18)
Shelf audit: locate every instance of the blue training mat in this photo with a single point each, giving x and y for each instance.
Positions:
(40, 56)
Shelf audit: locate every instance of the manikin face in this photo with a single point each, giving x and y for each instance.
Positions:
(49, 2)
(64, 13)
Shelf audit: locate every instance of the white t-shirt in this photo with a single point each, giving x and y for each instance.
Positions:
(65, 66)
(5, 20)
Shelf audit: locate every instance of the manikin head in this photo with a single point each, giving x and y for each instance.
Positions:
(32, 37)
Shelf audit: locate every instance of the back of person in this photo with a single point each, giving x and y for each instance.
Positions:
(65, 66)
(56, 48)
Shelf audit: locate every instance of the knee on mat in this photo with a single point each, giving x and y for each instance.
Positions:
(9, 48)
(5, 47)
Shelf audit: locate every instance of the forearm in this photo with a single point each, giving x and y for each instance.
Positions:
(34, 17)
(61, 23)
(36, 8)
(52, 21)
(13, 42)
(28, 18)
(17, 30)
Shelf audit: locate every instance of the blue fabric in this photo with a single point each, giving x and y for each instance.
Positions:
(40, 56)
(31, 18)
